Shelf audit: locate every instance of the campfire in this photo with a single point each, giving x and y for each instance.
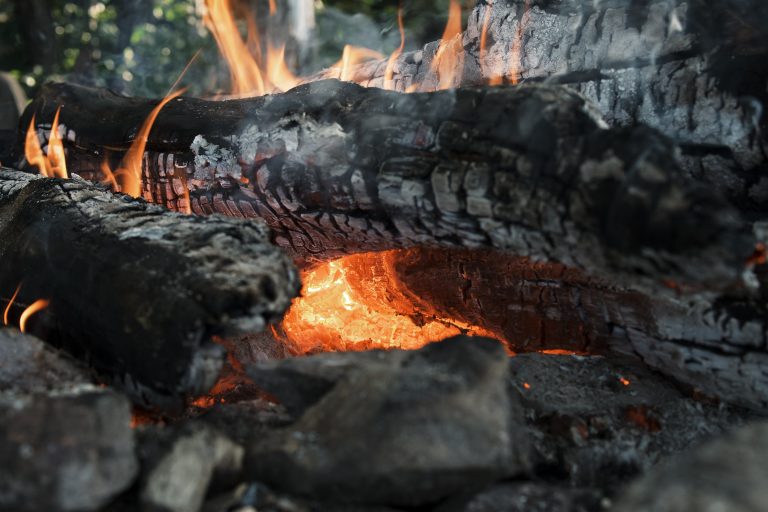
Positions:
(519, 267)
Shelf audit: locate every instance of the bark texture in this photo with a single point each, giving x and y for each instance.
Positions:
(336, 169)
(689, 68)
(134, 289)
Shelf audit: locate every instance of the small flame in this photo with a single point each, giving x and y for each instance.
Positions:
(52, 165)
(390, 71)
(10, 304)
(493, 77)
(128, 176)
(526, 385)
(449, 59)
(351, 57)
(624, 381)
(244, 57)
(33, 308)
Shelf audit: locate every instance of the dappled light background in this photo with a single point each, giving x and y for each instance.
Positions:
(139, 47)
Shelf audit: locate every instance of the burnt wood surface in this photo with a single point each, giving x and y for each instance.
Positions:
(336, 169)
(691, 68)
(134, 289)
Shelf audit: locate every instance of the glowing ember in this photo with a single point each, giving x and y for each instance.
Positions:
(345, 306)
(516, 65)
(624, 381)
(33, 308)
(526, 385)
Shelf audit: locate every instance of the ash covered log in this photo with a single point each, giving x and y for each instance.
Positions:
(135, 290)
(692, 69)
(336, 169)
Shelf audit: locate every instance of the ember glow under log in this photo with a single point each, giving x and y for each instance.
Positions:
(135, 289)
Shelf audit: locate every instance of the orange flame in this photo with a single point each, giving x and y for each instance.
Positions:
(54, 164)
(351, 57)
(449, 58)
(128, 176)
(10, 304)
(493, 77)
(35, 307)
(390, 71)
(244, 58)
(340, 310)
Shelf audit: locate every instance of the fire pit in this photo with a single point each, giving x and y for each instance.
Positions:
(520, 268)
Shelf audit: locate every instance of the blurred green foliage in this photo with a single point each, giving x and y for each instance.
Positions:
(140, 47)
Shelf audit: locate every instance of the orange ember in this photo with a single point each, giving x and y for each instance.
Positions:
(344, 306)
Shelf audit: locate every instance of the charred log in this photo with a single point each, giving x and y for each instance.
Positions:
(134, 289)
(691, 69)
(336, 169)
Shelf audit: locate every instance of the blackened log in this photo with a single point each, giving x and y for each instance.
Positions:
(693, 70)
(134, 289)
(336, 169)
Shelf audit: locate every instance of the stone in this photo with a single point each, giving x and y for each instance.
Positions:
(65, 451)
(397, 428)
(181, 463)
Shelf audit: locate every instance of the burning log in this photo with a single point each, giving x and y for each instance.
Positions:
(337, 169)
(693, 70)
(134, 289)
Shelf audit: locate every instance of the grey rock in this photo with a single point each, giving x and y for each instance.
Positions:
(29, 365)
(182, 463)
(602, 421)
(399, 428)
(63, 451)
(728, 474)
(530, 497)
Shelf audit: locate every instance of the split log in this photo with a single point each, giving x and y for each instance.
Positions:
(134, 289)
(336, 169)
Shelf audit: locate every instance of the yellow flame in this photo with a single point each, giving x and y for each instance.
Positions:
(54, 164)
(35, 307)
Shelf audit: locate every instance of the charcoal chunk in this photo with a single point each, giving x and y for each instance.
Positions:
(726, 474)
(399, 428)
(70, 450)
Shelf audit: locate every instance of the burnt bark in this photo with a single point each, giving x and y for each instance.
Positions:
(691, 69)
(337, 169)
(135, 290)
